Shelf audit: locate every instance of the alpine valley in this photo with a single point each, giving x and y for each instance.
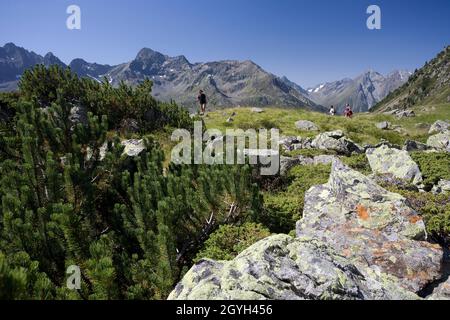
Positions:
(228, 83)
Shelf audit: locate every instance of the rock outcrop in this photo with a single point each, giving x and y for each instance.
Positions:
(384, 125)
(356, 240)
(439, 126)
(283, 268)
(440, 141)
(370, 226)
(306, 125)
(335, 141)
(399, 163)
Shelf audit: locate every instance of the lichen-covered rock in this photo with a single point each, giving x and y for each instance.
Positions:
(306, 125)
(133, 147)
(439, 126)
(443, 186)
(442, 292)
(440, 141)
(396, 162)
(336, 141)
(371, 227)
(283, 268)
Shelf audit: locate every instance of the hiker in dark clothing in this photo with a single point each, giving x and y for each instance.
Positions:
(202, 101)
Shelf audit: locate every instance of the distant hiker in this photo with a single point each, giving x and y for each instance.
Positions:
(348, 112)
(202, 101)
(332, 111)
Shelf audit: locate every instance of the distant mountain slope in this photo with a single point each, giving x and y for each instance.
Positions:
(227, 83)
(362, 93)
(15, 60)
(428, 85)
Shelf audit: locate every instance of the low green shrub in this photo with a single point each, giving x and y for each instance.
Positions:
(284, 207)
(433, 165)
(230, 240)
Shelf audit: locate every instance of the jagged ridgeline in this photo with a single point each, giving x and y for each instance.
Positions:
(71, 195)
(428, 86)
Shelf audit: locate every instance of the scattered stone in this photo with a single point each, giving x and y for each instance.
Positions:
(295, 143)
(306, 125)
(439, 126)
(382, 142)
(335, 141)
(411, 145)
(78, 114)
(391, 112)
(371, 227)
(133, 147)
(405, 114)
(257, 110)
(385, 125)
(324, 159)
(443, 186)
(396, 162)
(440, 141)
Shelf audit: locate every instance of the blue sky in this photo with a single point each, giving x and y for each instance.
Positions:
(309, 41)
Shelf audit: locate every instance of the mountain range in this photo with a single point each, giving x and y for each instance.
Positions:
(362, 92)
(227, 83)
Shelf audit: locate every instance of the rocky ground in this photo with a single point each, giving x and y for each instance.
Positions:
(356, 238)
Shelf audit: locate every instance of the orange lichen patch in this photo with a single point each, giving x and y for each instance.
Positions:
(347, 252)
(363, 214)
(415, 219)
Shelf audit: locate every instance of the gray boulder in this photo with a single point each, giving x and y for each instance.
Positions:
(295, 143)
(396, 162)
(371, 227)
(133, 147)
(411, 145)
(336, 141)
(440, 141)
(385, 125)
(439, 126)
(257, 110)
(283, 268)
(306, 125)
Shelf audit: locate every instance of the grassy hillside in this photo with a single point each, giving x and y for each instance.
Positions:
(361, 128)
(428, 86)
